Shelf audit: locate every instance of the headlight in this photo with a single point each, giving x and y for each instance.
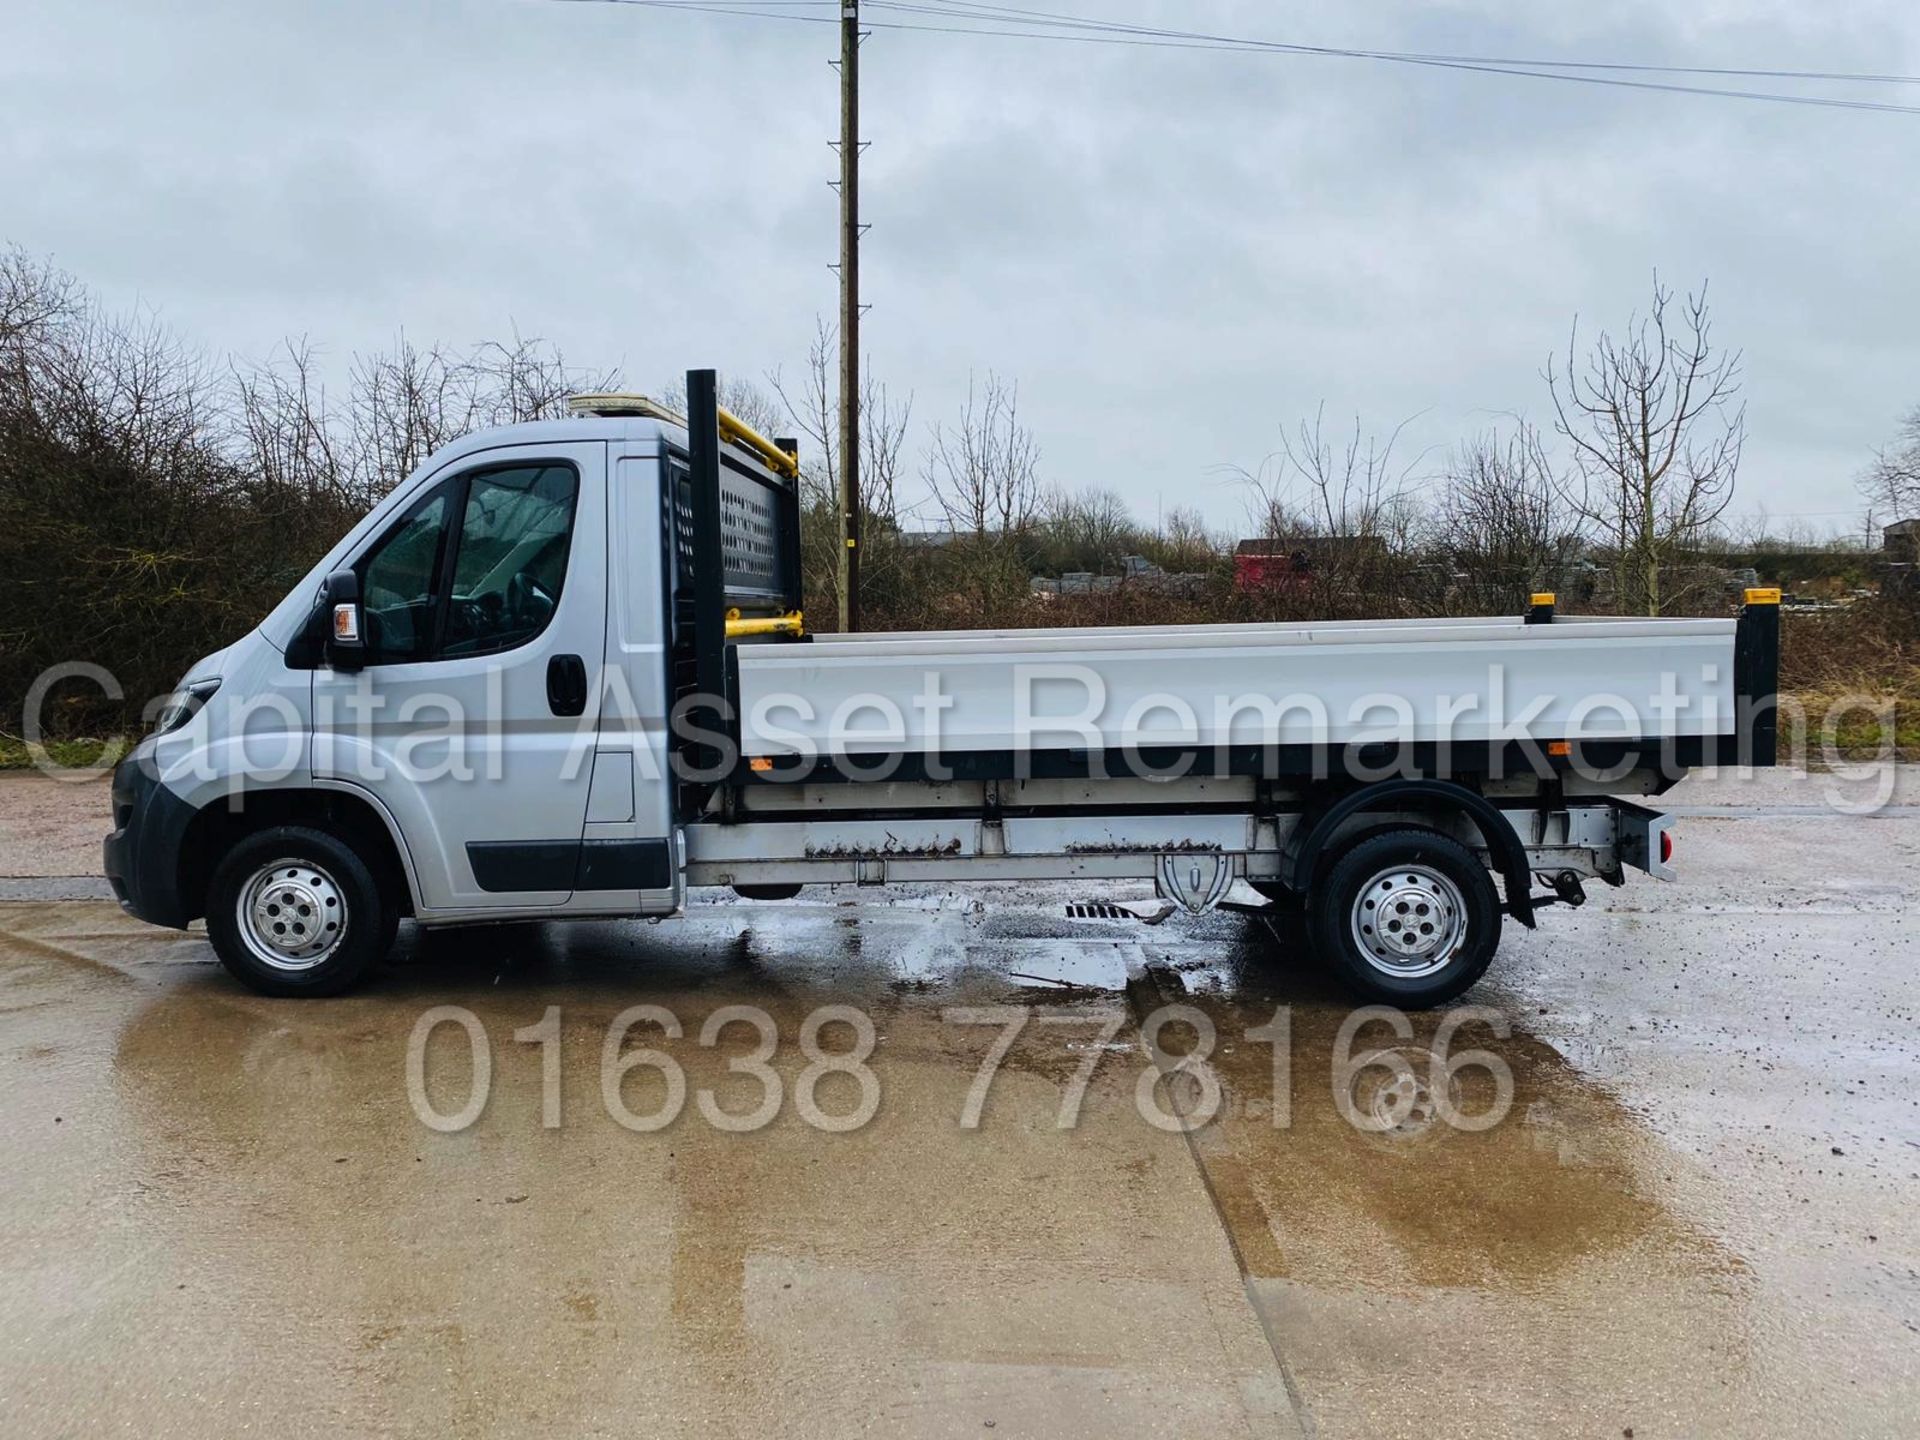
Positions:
(184, 704)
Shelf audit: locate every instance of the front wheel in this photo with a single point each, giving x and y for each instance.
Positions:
(293, 911)
(1407, 917)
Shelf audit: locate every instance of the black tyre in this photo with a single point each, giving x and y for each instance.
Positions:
(293, 911)
(1407, 918)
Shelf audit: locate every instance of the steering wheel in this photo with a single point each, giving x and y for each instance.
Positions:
(469, 618)
(529, 601)
(519, 599)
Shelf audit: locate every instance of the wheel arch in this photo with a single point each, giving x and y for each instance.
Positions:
(357, 818)
(1433, 798)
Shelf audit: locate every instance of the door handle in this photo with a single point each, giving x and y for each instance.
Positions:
(567, 685)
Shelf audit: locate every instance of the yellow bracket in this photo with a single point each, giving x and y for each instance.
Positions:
(739, 627)
(779, 461)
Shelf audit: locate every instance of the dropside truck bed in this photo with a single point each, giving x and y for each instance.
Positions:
(1333, 766)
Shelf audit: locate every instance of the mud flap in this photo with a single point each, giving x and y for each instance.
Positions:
(1194, 880)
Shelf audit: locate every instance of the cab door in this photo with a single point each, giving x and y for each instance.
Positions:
(473, 719)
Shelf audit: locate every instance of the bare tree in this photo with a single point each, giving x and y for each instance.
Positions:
(883, 439)
(153, 504)
(81, 377)
(127, 535)
(1499, 523)
(1088, 529)
(983, 475)
(1656, 427)
(1891, 485)
(983, 471)
(812, 407)
(740, 397)
(286, 434)
(527, 379)
(1185, 542)
(1351, 487)
(404, 404)
(1338, 515)
(33, 296)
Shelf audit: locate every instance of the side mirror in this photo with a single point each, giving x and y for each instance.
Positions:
(346, 645)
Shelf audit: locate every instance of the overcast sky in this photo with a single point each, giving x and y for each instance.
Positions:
(1174, 252)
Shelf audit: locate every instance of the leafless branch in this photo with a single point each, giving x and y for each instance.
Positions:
(1655, 425)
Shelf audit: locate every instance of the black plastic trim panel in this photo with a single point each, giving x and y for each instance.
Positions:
(141, 857)
(508, 866)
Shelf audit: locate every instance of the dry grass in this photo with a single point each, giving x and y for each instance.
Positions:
(1869, 651)
(68, 754)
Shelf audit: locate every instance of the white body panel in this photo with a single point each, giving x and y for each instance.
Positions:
(1465, 681)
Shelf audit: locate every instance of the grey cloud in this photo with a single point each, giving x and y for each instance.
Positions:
(1174, 252)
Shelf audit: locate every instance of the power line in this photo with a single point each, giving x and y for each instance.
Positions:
(747, 9)
(1112, 34)
(726, 6)
(976, 9)
(992, 20)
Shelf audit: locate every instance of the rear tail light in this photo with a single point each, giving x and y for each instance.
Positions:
(1666, 847)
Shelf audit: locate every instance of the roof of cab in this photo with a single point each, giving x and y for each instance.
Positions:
(628, 428)
(644, 431)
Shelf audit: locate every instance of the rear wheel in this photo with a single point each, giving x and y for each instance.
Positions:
(1408, 917)
(293, 911)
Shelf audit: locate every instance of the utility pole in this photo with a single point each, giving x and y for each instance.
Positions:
(848, 572)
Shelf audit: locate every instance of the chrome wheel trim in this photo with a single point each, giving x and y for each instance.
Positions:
(291, 915)
(1409, 921)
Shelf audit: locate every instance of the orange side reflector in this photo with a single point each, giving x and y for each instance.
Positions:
(1763, 595)
(760, 764)
(1559, 747)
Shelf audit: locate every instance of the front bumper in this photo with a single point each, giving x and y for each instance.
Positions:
(142, 856)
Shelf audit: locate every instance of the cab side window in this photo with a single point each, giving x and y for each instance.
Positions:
(475, 568)
(515, 531)
(400, 585)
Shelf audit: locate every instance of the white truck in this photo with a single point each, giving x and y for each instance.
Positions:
(561, 672)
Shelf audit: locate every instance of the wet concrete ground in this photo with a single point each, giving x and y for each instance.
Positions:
(1695, 1214)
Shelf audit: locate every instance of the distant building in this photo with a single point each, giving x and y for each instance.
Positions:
(927, 539)
(1901, 542)
(1285, 564)
(1137, 572)
(1900, 559)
